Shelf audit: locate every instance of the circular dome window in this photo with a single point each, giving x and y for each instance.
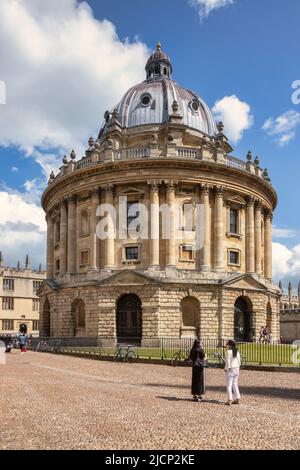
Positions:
(146, 99)
(194, 105)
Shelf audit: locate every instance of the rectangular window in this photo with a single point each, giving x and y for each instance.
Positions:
(35, 305)
(233, 221)
(35, 325)
(187, 253)
(132, 212)
(7, 325)
(84, 258)
(36, 286)
(132, 253)
(8, 284)
(8, 303)
(234, 257)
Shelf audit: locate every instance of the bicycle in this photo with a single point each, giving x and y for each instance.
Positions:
(181, 356)
(42, 346)
(125, 354)
(57, 347)
(216, 360)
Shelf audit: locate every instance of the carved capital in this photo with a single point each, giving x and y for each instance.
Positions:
(219, 192)
(258, 205)
(171, 186)
(250, 201)
(95, 193)
(205, 189)
(108, 189)
(71, 199)
(268, 214)
(154, 186)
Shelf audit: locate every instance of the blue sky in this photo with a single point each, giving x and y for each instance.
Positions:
(248, 49)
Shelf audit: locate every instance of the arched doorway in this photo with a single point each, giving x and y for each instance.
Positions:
(129, 317)
(79, 318)
(243, 330)
(45, 327)
(190, 317)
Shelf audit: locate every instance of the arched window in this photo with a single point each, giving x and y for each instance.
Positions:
(84, 223)
(79, 317)
(57, 231)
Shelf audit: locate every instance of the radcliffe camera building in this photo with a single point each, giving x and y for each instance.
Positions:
(160, 146)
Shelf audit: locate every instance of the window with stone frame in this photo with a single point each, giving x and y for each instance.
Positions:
(8, 303)
(35, 305)
(8, 284)
(84, 258)
(36, 286)
(35, 325)
(133, 212)
(188, 216)
(7, 325)
(57, 231)
(132, 253)
(234, 221)
(84, 223)
(187, 253)
(234, 257)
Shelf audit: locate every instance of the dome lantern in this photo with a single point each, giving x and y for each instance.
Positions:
(159, 64)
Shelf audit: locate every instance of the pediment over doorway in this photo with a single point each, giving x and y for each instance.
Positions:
(244, 281)
(128, 277)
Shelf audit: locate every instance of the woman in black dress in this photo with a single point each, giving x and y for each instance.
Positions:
(197, 356)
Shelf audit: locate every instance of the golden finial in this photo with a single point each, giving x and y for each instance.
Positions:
(158, 46)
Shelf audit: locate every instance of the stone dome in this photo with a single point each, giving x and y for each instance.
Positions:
(157, 98)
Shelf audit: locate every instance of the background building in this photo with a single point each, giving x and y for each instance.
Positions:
(290, 313)
(19, 303)
(160, 145)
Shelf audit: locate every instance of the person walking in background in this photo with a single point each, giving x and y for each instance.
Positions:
(198, 358)
(232, 370)
(22, 342)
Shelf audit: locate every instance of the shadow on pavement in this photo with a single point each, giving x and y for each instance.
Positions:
(284, 393)
(217, 402)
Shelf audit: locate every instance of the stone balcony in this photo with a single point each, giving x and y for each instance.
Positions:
(98, 155)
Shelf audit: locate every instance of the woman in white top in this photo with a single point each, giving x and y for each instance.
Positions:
(232, 370)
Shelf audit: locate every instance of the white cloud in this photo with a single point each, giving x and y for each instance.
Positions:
(22, 228)
(283, 128)
(283, 232)
(15, 169)
(205, 7)
(236, 116)
(63, 68)
(286, 263)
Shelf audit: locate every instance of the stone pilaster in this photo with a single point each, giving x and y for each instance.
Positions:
(63, 237)
(219, 229)
(110, 240)
(206, 258)
(171, 247)
(268, 244)
(72, 234)
(258, 237)
(250, 238)
(95, 242)
(50, 247)
(154, 221)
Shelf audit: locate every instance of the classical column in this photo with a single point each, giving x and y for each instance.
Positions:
(110, 240)
(219, 229)
(258, 240)
(171, 248)
(154, 221)
(72, 234)
(268, 244)
(50, 247)
(250, 245)
(206, 259)
(95, 242)
(63, 236)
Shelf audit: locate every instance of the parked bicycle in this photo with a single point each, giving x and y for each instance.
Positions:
(42, 346)
(57, 347)
(125, 353)
(216, 360)
(181, 357)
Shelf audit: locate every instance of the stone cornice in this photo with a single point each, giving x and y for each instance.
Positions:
(202, 171)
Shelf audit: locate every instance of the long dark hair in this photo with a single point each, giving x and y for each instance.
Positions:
(233, 346)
